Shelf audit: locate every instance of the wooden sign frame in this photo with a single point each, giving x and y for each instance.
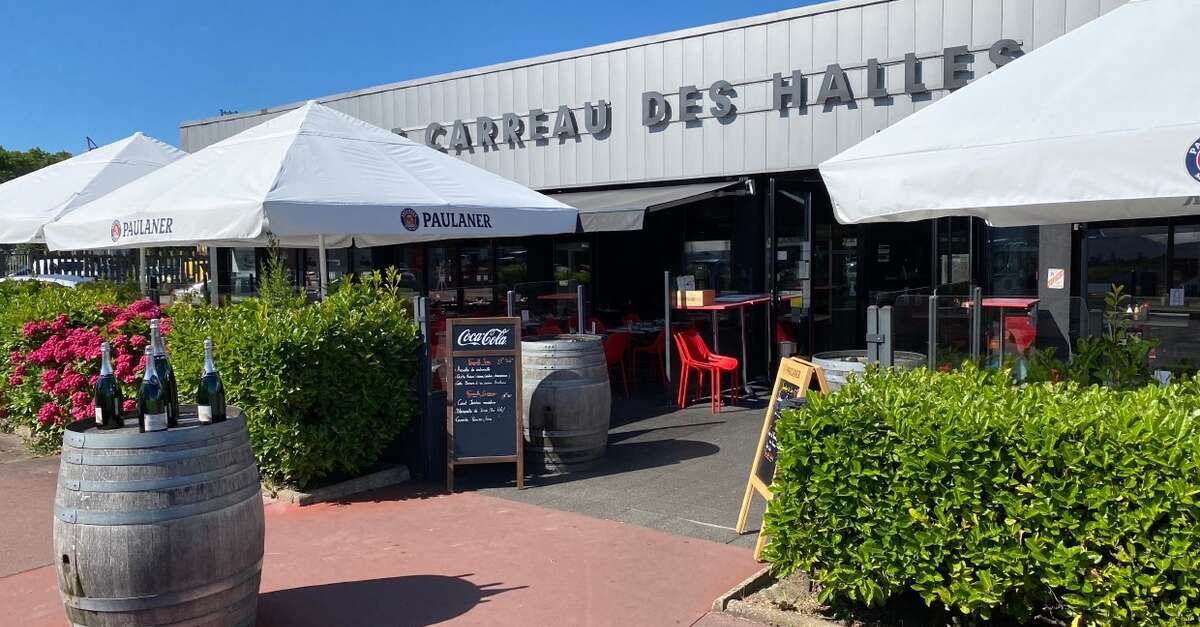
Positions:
(518, 419)
(801, 374)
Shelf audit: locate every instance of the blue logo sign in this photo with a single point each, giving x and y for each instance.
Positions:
(1193, 160)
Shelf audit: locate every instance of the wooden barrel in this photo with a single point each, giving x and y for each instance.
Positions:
(566, 401)
(161, 528)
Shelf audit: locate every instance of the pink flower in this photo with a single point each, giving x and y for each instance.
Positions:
(59, 323)
(110, 310)
(128, 404)
(30, 328)
(15, 379)
(49, 379)
(138, 342)
(50, 414)
(14, 357)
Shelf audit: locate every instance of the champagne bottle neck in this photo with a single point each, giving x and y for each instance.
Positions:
(149, 374)
(105, 361)
(209, 366)
(156, 341)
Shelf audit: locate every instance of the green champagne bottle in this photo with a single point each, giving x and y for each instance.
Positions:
(108, 394)
(152, 399)
(166, 374)
(210, 395)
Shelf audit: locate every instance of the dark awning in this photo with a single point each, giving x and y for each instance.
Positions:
(623, 209)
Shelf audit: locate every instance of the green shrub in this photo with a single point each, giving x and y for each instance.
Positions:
(28, 301)
(1050, 501)
(325, 387)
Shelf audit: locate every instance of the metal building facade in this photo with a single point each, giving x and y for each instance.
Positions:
(756, 138)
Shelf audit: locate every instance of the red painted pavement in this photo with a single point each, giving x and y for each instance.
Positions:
(466, 559)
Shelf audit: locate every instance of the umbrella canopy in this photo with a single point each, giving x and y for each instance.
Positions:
(312, 174)
(1102, 123)
(28, 202)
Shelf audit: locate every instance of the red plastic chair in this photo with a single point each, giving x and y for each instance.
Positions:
(699, 351)
(630, 318)
(1021, 330)
(687, 364)
(615, 347)
(656, 349)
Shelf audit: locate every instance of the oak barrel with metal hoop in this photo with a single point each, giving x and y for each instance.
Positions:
(566, 398)
(162, 528)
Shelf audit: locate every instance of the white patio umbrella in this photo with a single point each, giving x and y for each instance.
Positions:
(28, 202)
(1102, 123)
(312, 177)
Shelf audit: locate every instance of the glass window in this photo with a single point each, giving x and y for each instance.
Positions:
(441, 268)
(475, 262)
(364, 260)
(337, 262)
(1185, 261)
(243, 273)
(410, 265)
(708, 261)
(1014, 260)
(512, 266)
(1132, 256)
(573, 262)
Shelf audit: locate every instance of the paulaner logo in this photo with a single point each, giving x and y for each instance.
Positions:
(491, 337)
(455, 220)
(1192, 160)
(147, 226)
(410, 219)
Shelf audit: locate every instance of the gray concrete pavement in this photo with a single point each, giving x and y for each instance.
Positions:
(679, 471)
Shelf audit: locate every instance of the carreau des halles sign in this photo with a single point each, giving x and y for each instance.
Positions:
(719, 97)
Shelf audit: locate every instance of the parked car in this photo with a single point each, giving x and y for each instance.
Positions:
(65, 280)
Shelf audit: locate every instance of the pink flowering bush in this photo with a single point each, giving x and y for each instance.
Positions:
(52, 364)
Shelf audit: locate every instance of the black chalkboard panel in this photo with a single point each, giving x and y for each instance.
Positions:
(765, 470)
(484, 406)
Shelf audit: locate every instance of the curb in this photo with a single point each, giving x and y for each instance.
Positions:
(747, 587)
(381, 479)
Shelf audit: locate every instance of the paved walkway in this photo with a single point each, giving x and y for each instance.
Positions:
(679, 471)
(26, 507)
(490, 555)
(410, 557)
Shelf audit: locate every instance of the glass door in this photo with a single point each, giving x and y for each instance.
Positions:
(791, 260)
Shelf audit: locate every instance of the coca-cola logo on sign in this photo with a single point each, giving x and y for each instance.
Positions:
(491, 337)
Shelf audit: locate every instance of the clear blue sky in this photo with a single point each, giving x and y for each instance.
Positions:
(105, 69)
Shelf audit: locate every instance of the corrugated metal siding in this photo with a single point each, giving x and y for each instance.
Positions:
(757, 139)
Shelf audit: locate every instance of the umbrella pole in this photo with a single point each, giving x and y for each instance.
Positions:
(323, 269)
(214, 290)
(144, 274)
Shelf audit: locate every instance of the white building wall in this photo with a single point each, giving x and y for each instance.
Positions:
(744, 52)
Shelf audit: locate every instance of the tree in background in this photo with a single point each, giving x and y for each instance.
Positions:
(14, 163)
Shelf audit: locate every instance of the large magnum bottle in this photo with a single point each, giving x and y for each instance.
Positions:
(210, 396)
(166, 374)
(153, 404)
(108, 394)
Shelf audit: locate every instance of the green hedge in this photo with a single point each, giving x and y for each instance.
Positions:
(26, 301)
(325, 387)
(1049, 501)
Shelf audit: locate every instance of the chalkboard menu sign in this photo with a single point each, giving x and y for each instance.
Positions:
(483, 421)
(792, 383)
(769, 453)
